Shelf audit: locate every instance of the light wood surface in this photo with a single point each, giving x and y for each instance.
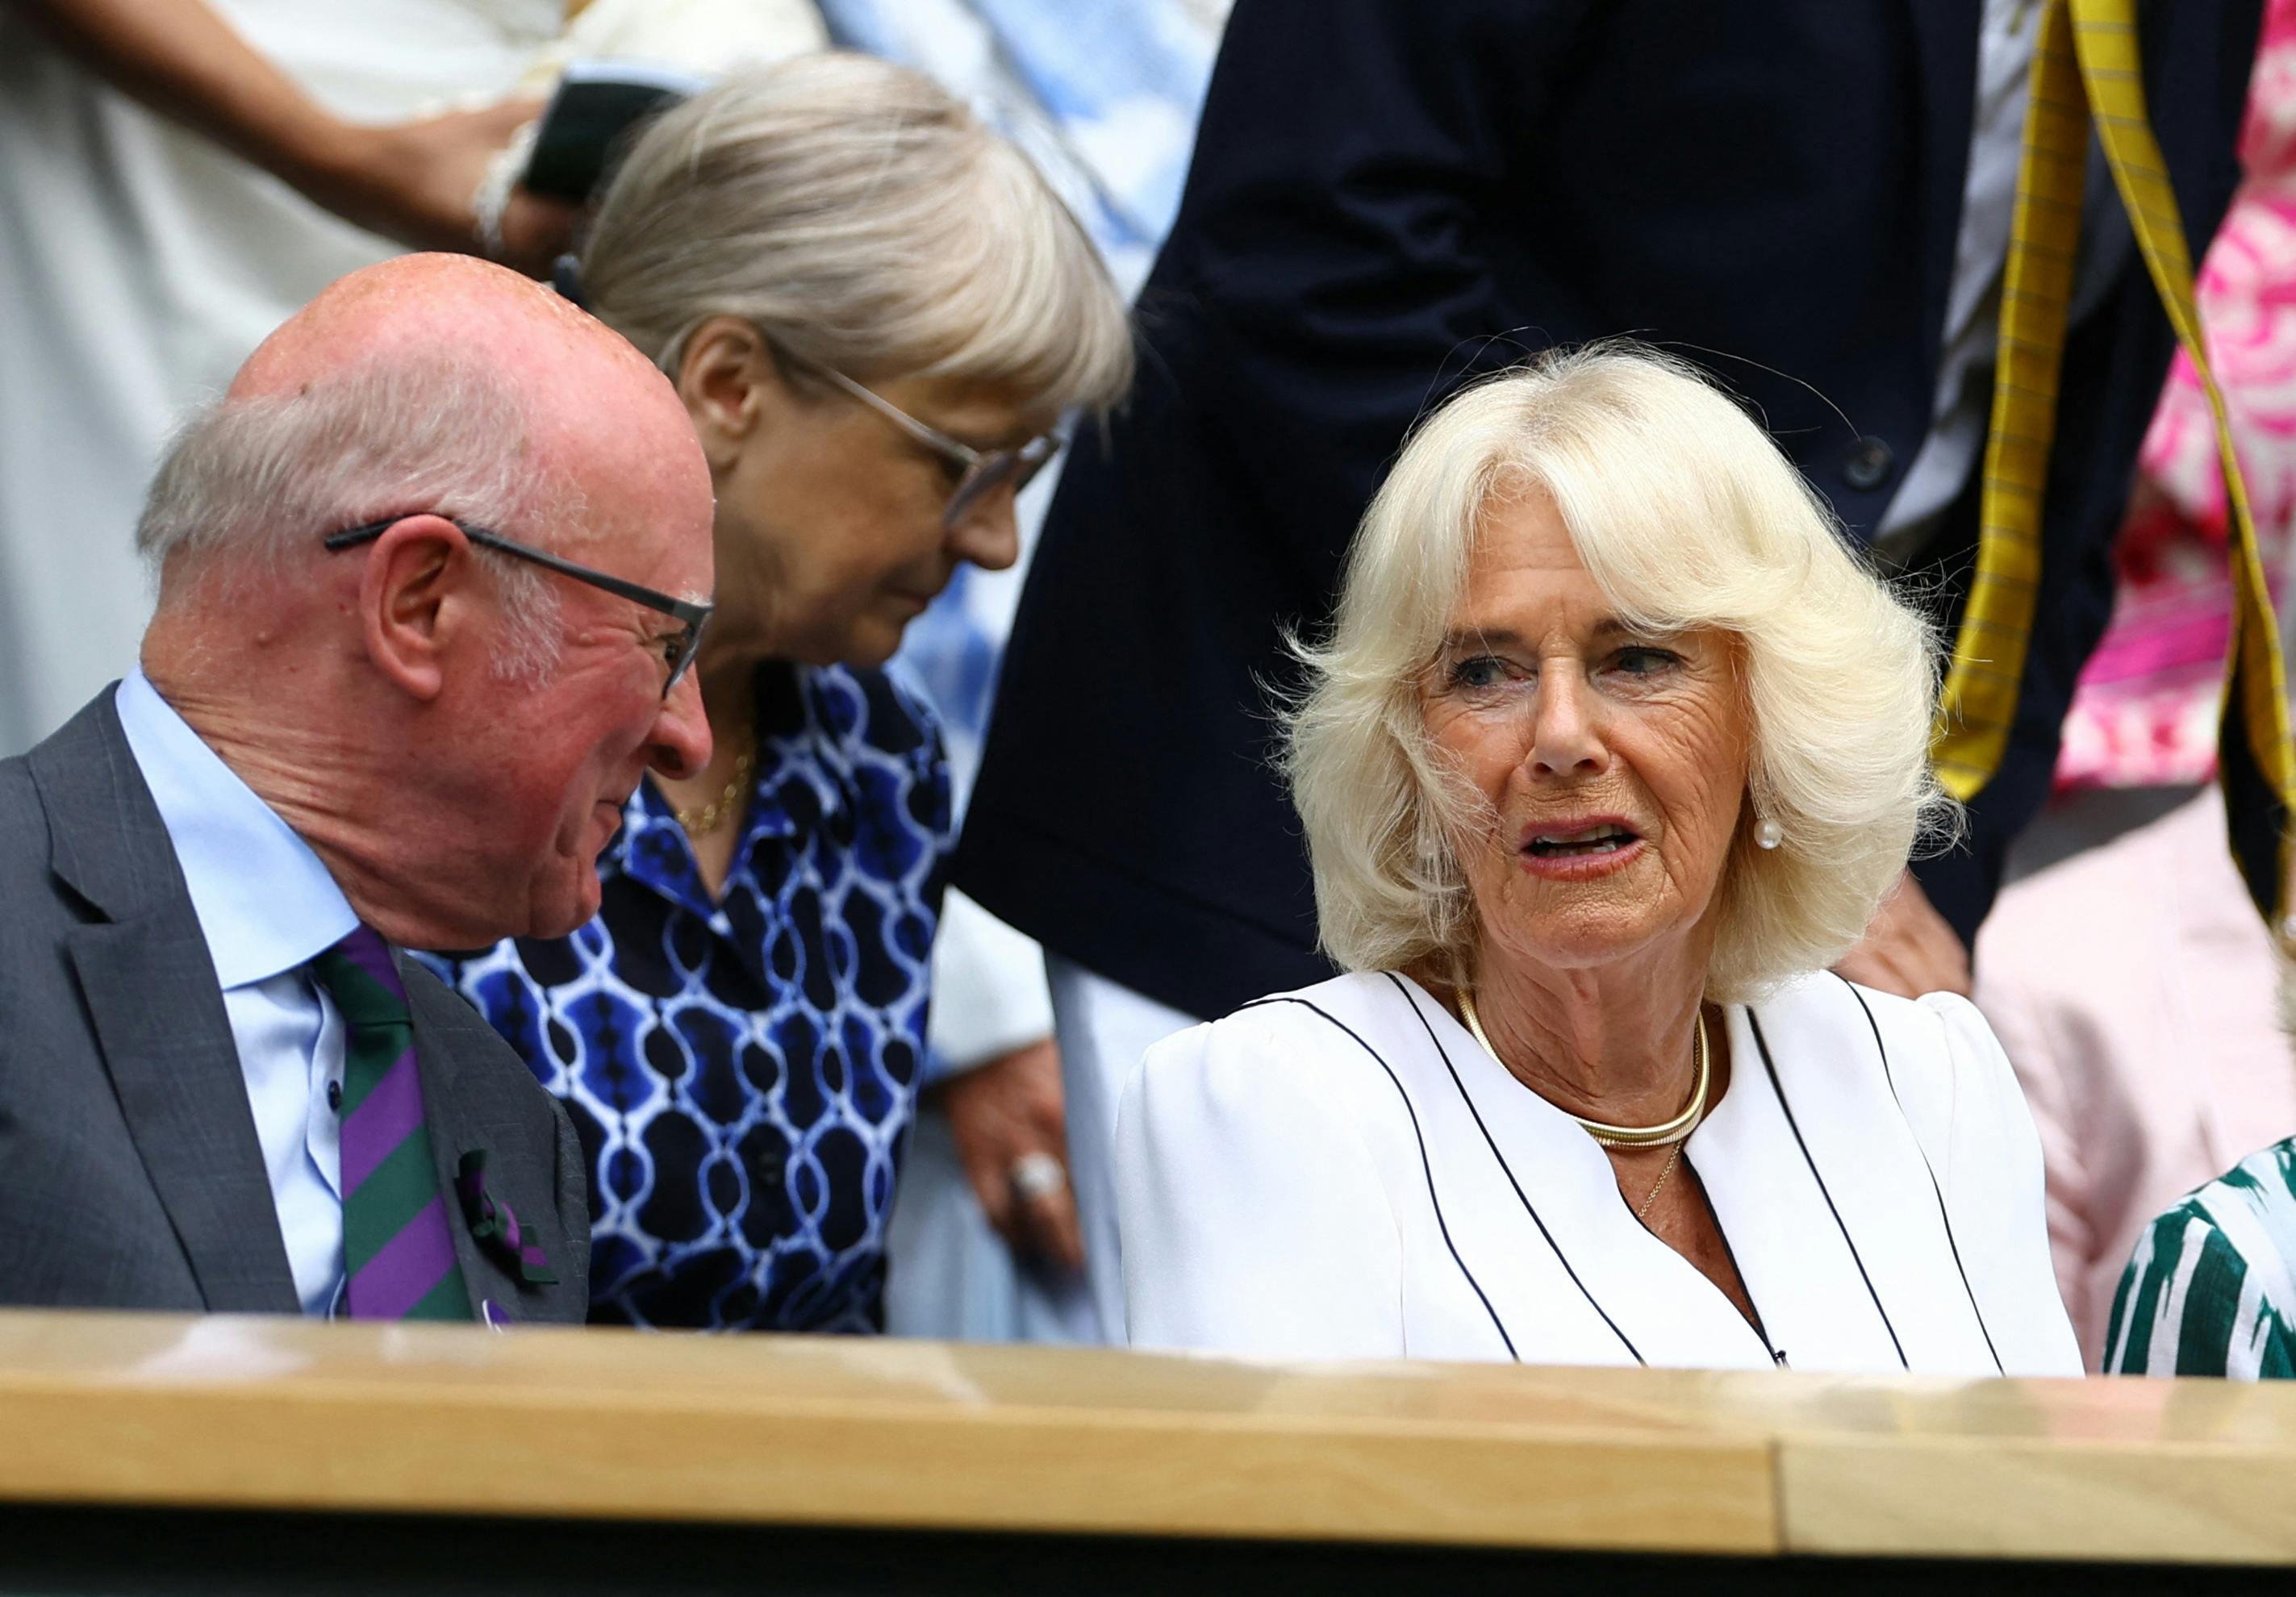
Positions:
(279, 1413)
(2135, 1470)
(264, 1412)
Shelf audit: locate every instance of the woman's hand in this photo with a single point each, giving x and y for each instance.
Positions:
(1010, 1114)
(416, 181)
(1909, 949)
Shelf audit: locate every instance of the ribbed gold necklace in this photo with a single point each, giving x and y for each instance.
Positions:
(1616, 1136)
(704, 819)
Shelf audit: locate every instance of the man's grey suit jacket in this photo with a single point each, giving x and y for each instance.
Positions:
(130, 1175)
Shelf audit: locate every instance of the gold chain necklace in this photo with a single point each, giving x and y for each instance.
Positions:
(1673, 1158)
(701, 822)
(1609, 1135)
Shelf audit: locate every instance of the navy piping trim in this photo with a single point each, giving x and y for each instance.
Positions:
(1944, 1216)
(1754, 1024)
(1504, 1169)
(1425, 1169)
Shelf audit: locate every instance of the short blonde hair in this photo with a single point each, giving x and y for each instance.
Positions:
(863, 220)
(1687, 516)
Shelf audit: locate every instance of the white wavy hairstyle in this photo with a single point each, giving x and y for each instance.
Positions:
(862, 219)
(1687, 516)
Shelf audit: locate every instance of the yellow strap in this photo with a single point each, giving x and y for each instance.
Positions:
(1982, 685)
(2087, 68)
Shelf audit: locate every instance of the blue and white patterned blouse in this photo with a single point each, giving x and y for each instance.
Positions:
(742, 1073)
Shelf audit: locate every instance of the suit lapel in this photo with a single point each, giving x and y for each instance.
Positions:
(447, 1111)
(451, 1137)
(1945, 34)
(158, 1016)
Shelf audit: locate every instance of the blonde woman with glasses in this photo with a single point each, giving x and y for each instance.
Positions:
(877, 315)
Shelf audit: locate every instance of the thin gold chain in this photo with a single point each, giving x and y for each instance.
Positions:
(1673, 1158)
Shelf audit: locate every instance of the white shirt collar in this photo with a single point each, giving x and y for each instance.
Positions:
(265, 902)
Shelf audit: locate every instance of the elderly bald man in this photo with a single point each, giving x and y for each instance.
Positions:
(430, 576)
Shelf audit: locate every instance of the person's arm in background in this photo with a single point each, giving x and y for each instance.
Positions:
(1000, 1087)
(411, 181)
(1909, 949)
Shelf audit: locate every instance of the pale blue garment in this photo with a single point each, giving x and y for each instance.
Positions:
(1103, 95)
(266, 908)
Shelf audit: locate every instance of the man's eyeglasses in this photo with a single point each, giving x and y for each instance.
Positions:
(984, 473)
(678, 649)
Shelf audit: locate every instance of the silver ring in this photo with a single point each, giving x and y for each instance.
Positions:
(1036, 1174)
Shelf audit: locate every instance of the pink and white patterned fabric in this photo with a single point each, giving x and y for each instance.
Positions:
(2145, 710)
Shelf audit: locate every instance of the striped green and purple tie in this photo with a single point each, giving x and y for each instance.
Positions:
(398, 1256)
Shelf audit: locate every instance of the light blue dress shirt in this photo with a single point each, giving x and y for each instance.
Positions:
(267, 906)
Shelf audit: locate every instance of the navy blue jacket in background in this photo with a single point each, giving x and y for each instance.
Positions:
(1390, 196)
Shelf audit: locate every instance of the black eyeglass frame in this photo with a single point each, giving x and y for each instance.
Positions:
(693, 613)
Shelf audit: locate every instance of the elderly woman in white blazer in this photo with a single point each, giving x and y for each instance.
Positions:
(1613, 749)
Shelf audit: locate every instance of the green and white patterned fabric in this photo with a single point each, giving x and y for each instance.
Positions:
(2212, 1287)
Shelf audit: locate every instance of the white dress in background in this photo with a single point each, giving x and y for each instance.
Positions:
(1343, 1172)
(139, 264)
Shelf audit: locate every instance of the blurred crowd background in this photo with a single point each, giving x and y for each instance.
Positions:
(141, 260)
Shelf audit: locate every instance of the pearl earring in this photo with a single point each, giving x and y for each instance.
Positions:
(1770, 834)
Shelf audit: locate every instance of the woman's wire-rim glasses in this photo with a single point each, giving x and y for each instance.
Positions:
(984, 471)
(692, 612)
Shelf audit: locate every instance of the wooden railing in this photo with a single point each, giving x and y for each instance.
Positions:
(260, 1415)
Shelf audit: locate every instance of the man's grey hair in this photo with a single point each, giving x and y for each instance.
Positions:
(249, 487)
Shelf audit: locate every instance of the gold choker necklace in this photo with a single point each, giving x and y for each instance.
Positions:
(1616, 1136)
